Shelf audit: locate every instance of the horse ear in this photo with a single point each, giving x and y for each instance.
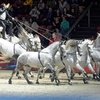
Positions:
(21, 29)
(65, 42)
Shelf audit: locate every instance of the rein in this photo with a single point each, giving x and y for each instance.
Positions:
(40, 59)
(90, 54)
(61, 57)
(20, 45)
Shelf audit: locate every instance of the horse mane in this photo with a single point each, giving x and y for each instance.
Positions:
(50, 46)
(70, 43)
(22, 30)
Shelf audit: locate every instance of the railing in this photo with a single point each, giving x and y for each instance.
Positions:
(87, 10)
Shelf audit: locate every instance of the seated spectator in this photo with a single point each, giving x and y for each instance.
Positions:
(54, 37)
(41, 6)
(28, 2)
(56, 23)
(55, 4)
(26, 22)
(64, 26)
(27, 5)
(34, 13)
(57, 13)
(34, 26)
(17, 8)
(75, 8)
(66, 10)
(62, 5)
(49, 16)
(81, 9)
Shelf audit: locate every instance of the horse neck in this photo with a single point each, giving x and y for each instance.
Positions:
(52, 49)
(71, 49)
(85, 52)
(97, 42)
(38, 42)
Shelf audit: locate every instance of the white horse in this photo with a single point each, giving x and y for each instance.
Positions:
(33, 42)
(44, 58)
(69, 61)
(26, 42)
(72, 61)
(9, 49)
(95, 53)
(86, 58)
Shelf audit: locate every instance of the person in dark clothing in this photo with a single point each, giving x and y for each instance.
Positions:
(5, 20)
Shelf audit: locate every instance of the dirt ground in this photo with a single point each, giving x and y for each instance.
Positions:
(77, 91)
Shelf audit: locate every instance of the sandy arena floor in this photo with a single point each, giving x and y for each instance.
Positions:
(48, 90)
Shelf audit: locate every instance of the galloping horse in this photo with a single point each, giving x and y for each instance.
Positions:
(32, 42)
(9, 49)
(69, 61)
(86, 58)
(73, 52)
(95, 52)
(26, 43)
(44, 58)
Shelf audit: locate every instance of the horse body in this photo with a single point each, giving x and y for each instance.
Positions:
(44, 58)
(86, 58)
(12, 39)
(69, 61)
(31, 59)
(95, 53)
(18, 46)
(8, 49)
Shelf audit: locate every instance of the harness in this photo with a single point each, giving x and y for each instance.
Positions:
(40, 59)
(20, 45)
(61, 56)
(91, 55)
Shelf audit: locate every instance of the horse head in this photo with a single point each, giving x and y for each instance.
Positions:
(32, 42)
(71, 45)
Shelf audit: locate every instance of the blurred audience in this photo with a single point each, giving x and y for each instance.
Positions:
(43, 15)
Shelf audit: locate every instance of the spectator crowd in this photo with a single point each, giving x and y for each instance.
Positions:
(52, 18)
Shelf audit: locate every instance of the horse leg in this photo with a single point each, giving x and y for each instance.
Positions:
(93, 71)
(13, 72)
(31, 73)
(17, 74)
(38, 75)
(98, 70)
(83, 73)
(54, 76)
(58, 69)
(26, 71)
(68, 72)
(72, 73)
(42, 72)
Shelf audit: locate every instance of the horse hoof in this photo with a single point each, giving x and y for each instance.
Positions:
(85, 82)
(40, 77)
(10, 82)
(50, 76)
(98, 79)
(57, 82)
(69, 83)
(52, 79)
(72, 77)
(32, 76)
(19, 77)
(30, 82)
(37, 82)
